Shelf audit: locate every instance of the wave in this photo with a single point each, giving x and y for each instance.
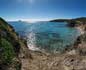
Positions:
(31, 42)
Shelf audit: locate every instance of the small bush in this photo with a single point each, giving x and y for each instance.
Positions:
(8, 52)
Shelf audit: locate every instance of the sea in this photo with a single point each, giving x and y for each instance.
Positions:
(52, 37)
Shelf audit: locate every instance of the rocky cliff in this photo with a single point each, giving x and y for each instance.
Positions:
(12, 48)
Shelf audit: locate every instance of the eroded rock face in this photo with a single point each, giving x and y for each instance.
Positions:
(80, 44)
(74, 63)
(43, 61)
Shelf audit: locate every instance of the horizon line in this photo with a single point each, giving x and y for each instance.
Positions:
(39, 19)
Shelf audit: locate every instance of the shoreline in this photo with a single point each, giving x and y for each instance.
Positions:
(33, 48)
(41, 60)
(81, 29)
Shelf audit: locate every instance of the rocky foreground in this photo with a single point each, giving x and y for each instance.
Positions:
(73, 58)
(14, 54)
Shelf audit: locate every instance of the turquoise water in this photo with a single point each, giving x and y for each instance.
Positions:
(48, 36)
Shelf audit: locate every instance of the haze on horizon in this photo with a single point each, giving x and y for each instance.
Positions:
(41, 9)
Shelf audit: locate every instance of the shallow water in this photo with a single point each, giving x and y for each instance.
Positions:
(48, 36)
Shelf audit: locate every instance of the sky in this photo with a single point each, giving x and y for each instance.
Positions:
(42, 9)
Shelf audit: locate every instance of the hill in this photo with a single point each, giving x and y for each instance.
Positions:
(82, 19)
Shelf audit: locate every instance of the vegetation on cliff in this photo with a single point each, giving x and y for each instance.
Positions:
(82, 19)
(10, 47)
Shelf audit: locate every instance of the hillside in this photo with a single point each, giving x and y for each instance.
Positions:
(82, 19)
(72, 22)
(11, 47)
(60, 20)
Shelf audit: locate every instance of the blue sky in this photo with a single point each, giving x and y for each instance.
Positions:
(42, 9)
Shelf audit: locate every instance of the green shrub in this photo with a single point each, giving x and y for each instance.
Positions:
(8, 52)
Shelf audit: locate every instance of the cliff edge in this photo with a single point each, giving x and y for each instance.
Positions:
(12, 48)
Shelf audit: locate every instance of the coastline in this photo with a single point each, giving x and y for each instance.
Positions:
(70, 60)
(81, 29)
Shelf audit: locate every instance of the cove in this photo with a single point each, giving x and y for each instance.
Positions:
(46, 36)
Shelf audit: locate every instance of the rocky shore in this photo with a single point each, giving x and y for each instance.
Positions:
(73, 58)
